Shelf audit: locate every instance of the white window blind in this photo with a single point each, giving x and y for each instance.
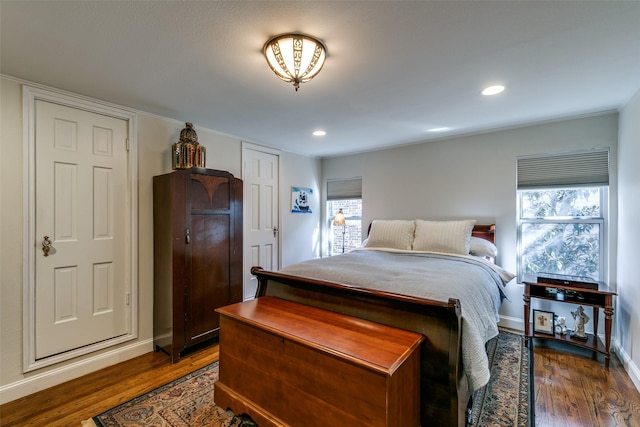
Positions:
(344, 189)
(588, 168)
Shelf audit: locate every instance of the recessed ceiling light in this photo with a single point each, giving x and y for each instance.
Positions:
(442, 129)
(319, 133)
(493, 90)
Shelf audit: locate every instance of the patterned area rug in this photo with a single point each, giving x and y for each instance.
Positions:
(188, 401)
(506, 400)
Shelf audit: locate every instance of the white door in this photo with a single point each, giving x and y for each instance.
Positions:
(261, 230)
(81, 209)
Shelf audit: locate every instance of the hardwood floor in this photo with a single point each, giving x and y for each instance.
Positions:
(571, 389)
(68, 404)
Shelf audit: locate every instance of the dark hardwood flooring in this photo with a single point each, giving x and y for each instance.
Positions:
(571, 389)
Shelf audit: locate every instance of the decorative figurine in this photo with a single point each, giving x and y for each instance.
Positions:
(581, 319)
(561, 325)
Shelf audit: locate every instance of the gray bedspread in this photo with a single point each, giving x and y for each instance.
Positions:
(475, 282)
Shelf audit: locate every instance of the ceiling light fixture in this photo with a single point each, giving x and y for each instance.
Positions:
(319, 133)
(493, 90)
(295, 57)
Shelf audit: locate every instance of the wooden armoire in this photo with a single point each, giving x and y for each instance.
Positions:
(197, 229)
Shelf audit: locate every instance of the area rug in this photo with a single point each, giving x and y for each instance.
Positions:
(188, 401)
(506, 400)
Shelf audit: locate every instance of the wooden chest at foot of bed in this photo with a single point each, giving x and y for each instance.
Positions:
(288, 364)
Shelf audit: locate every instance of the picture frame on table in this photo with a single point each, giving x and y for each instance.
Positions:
(543, 322)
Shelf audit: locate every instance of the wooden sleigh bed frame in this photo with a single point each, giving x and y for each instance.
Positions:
(445, 398)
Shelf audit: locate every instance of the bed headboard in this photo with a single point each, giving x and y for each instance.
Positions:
(487, 232)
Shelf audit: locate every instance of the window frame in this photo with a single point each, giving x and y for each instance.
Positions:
(330, 226)
(601, 220)
(341, 189)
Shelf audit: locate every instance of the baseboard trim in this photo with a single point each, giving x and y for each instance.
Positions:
(511, 323)
(627, 362)
(50, 378)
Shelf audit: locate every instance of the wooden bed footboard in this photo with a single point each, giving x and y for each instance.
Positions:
(444, 392)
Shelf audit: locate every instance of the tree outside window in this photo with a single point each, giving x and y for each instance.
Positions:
(561, 231)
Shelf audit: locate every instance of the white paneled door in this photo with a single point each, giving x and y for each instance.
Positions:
(261, 219)
(82, 286)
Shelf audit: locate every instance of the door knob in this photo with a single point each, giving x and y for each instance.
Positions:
(275, 231)
(46, 246)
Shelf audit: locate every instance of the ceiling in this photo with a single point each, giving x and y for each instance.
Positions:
(395, 69)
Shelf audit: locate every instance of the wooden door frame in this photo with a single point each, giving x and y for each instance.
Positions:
(31, 94)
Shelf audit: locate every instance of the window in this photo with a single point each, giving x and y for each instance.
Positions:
(562, 206)
(345, 195)
(343, 238)
(561, 231)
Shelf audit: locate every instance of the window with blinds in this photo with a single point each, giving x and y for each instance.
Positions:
(562, 205)
(344, 196)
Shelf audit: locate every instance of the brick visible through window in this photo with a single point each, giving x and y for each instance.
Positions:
(345, 238)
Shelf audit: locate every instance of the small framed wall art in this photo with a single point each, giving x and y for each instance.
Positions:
(300, 199)
(543, 322)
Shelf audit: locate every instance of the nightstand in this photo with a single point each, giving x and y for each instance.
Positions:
(602, 297)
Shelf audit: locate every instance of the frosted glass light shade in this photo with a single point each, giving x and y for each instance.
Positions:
(339, 219)
(295, 58)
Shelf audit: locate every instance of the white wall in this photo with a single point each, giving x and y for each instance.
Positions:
(155, 136)
(628, 283)
(470, 177)
(302, 229)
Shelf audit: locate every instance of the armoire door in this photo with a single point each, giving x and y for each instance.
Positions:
(210, 239)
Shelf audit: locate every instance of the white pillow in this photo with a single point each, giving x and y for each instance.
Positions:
(482, 247)
(396, 234)
(452, 237)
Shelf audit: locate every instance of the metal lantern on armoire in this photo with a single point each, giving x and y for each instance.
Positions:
(188, 153)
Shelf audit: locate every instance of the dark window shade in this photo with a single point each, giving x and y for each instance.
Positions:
(589, 168)
(344, 189)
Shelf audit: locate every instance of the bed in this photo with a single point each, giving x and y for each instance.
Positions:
(436, 278)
